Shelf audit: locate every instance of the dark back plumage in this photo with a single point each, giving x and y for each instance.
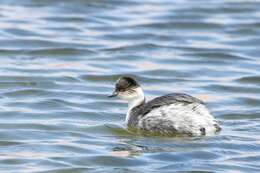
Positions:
(174, 98)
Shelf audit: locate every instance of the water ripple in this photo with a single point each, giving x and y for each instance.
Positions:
(60, 60)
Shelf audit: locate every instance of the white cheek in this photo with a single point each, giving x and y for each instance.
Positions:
(136, 95)
(126, 96)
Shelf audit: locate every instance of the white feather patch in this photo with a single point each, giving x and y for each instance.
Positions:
(184, 118)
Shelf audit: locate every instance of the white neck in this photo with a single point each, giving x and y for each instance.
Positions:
(136, 101)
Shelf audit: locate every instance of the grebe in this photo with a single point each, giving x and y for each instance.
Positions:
(171, 114)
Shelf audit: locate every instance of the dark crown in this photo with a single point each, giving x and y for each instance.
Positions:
(125, 83)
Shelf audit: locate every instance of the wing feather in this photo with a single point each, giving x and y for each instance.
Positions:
(168, 99)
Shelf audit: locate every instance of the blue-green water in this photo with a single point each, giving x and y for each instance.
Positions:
(60, 59)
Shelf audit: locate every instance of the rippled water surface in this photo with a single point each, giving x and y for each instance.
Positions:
(60, 59)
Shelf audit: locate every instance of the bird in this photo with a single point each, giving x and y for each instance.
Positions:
(168, 115)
